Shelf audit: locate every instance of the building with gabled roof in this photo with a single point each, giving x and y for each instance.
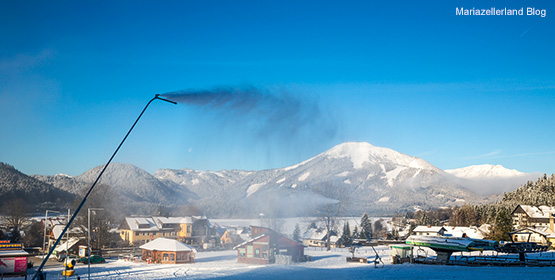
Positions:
(541, 235)
(167, 251)
(470, 232)
(529, 216)
(429, 230)
(318, 238)
(267, 246)
(223, 235)
(140, 230)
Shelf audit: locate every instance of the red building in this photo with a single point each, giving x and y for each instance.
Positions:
(268, 246)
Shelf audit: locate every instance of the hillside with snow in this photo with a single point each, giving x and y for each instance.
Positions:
(363, 177)
(368, 178)
(487, 179)
(484, 171)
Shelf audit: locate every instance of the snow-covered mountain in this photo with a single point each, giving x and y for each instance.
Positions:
(363, 177)
(484, 171)
(489, 179)
(374, 179)
(137, 184)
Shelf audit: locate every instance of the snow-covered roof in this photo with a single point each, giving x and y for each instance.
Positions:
(538, 212)
(141, 224)
(13, 253)
(173, 220)
(166, 244)
(428, 229)
(251, 240)
(63, 246)
(546, 231)
(219, 229)
(156, 223)
(315, 234)
(471, 232)
(57, 230)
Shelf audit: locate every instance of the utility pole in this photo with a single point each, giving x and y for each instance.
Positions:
(89, 240)
(44, 238)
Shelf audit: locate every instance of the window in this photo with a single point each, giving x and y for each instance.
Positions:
(241, 252)
(137, 233)
(165, 257)
(249, 251)
(257, 253)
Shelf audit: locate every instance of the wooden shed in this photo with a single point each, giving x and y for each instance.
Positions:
(168, 251)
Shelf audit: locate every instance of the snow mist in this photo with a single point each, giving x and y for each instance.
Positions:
(277, 120)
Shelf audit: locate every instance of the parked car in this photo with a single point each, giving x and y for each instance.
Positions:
(94, 259)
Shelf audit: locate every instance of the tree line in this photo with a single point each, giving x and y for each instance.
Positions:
(498, 215)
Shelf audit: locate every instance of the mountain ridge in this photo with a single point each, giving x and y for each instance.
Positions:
(372, 179)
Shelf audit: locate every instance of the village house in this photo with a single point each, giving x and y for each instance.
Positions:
(167, 251)
(318, 238)
(539, 235)
(140, 230)
(532, 216)
(77, 236)
(267, 246)
(71, 246)
(183, 225)
(224, 235)
(429, 230)
(470, 232)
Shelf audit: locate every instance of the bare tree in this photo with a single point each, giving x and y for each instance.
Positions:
(332, 207)
(16, 212)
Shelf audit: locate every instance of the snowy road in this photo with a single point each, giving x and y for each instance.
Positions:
(326, 265)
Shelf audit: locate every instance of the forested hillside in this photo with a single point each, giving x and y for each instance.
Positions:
(498, 215)
(35, 194)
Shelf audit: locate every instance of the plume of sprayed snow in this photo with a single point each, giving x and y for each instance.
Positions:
(276, 118)
(298, 204)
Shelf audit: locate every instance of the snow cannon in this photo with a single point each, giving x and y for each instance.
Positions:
(69, 265)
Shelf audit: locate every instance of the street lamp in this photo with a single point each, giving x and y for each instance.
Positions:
(44, 238)
(89, 239)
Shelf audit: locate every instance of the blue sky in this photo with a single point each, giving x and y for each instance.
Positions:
(407, 75)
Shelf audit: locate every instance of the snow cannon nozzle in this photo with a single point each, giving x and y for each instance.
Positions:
(157, 96)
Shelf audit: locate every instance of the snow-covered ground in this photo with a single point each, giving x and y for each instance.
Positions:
(325, 265)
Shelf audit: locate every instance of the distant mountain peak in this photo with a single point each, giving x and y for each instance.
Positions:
(361, 153)
(485, 171)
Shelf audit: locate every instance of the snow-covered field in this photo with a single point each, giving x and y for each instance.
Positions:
(325, 265)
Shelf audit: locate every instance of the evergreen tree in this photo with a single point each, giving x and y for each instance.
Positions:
(355, 233)
(502, 225)
(365, 227)
(379, 229)
(346, 237)
(312, 225)
(297, 233)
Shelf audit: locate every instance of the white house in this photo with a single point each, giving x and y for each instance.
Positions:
(429, 230)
